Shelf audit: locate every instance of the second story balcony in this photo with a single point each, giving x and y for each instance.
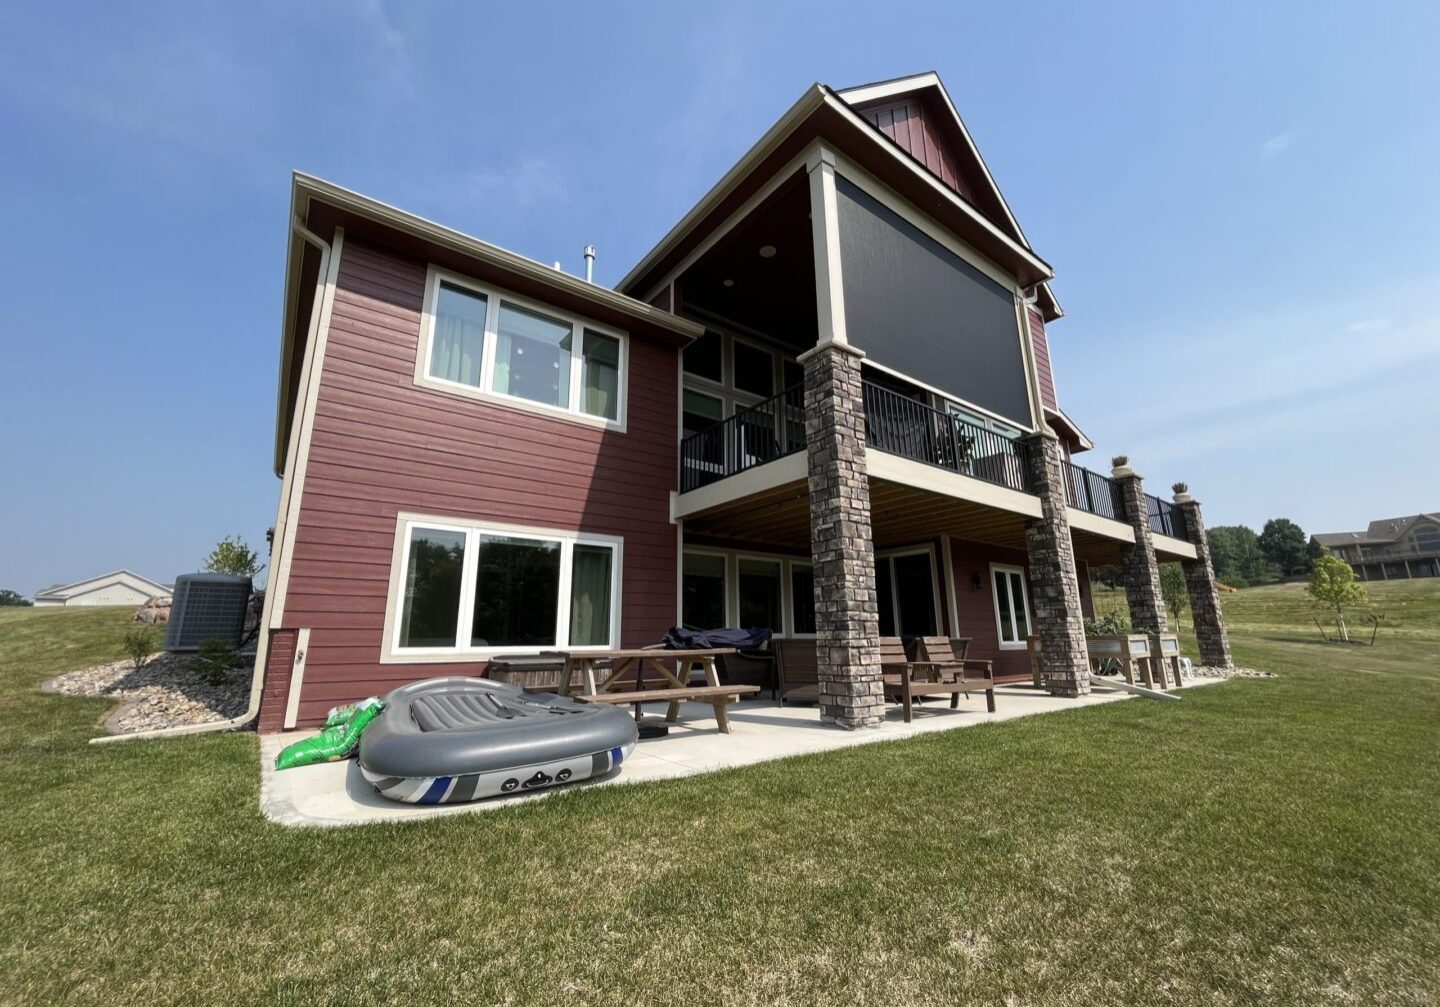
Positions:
(906, 439)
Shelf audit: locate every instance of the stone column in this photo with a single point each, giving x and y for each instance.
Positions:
(1143, 595)
(1210, 635)
(847, 622)
(1054, 584)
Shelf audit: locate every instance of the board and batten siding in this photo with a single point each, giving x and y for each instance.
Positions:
(913, 128)
(382, 445)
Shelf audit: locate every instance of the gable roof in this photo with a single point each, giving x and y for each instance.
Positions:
(320, 206)
(976, 171)
(60, 591)
(1390, 529)
(819, 113)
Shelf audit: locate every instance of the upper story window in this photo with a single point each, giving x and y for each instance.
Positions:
(485, 343)
(1425, 538)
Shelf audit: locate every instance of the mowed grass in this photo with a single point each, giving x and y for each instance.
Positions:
(1270, 841)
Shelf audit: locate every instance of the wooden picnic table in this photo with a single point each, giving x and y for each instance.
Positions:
(674, 686)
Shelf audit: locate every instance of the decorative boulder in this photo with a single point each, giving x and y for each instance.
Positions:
(155, 612)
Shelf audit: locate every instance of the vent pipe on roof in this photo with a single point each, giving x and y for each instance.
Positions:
(589, 263)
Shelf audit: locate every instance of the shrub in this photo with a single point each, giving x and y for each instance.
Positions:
(1111, 624)
(137, 645)
(214, 660)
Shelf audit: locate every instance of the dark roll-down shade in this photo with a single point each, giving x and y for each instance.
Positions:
(913, 305)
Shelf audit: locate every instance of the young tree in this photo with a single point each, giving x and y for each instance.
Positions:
(1177, 595)
(1333, 584)
(13, 599)
(231, 555)
(1283, 543)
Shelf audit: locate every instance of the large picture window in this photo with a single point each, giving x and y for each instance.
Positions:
(1012, 605)
(702, 591)
(467, 590)
(758, 586)
(486, 343)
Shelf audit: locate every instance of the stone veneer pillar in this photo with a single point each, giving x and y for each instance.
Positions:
(1210, 635)
(847, 623)
(1142, 571)
(1054, 583)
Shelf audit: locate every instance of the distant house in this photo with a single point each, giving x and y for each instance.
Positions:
(119, 588)
(1394, 548)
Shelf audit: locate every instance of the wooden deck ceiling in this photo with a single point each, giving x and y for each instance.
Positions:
(900, 515)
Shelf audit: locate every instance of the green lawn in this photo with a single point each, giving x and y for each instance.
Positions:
(1265, 841)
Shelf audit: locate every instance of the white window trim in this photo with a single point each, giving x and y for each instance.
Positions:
(493, 296)
(1024, 598)
(391, 651)
(890, 554)
(728, 588)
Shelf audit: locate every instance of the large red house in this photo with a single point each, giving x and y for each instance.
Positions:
(822, 404)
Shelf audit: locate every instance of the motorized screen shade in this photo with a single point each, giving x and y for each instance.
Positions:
(914, 306)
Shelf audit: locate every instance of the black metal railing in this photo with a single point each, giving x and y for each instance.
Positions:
(1165, 518)
(901, 426)
(762, 433)
(1092, 492)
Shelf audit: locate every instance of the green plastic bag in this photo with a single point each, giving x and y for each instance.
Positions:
(338, 741)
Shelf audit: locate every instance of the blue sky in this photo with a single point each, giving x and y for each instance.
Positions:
(1239, 200)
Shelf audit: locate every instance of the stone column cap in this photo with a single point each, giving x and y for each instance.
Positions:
(830, 344)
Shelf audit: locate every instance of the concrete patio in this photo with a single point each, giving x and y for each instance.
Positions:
(335, 794)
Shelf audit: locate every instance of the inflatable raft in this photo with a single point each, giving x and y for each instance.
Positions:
(447, 740)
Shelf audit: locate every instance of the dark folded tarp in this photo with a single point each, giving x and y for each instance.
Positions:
(679, 638)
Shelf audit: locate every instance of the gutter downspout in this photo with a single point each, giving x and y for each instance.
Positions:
(262, 649)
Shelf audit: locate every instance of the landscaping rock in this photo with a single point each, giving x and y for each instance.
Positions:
(1210, 671)
(155, 612)
(169, 691)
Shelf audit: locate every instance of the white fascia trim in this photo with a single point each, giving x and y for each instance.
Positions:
(906, 85)
(384, 213)
(813, 97)
(298, 461)
(893, 468)
(1173, 547)
(939, 188)
(791, 468)
(1102, 526)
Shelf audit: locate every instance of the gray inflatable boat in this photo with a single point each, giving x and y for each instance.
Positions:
(446, 740)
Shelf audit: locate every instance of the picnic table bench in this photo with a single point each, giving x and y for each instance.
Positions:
(674, 686)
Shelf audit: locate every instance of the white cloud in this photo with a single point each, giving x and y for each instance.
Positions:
(527, 181)
(1366, 326)
(1276, 145)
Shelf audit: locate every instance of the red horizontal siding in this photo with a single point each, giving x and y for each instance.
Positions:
(382, 445)
(1040, 346)
(975, 609)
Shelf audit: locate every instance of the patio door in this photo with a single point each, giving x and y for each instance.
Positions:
(907, 595)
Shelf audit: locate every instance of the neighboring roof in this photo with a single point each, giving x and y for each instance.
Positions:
(822, 111)
(350, 207)
(60, 591)
(1385, 530)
